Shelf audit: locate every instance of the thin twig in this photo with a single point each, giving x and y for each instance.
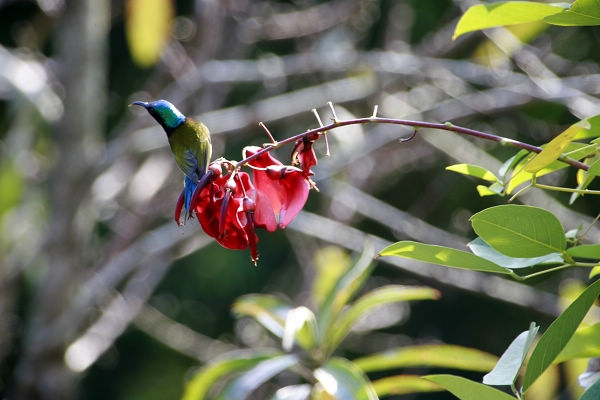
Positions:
(416, 124)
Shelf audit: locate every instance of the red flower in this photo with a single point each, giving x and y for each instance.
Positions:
(286, 187)
(303, 154)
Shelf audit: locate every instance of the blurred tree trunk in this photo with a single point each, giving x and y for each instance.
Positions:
(81, 50)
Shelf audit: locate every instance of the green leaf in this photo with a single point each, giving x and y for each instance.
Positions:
(576, 151)
(585, 343)
(554, 149)
(587, 177)
(268, 310)
(343, 290)
(482, 249)
(592, 393)
(593, 131)
(300, 325)
(343, 380)
(242, 386)
(473, 170)
(589, 251)
(331, 262)
(482, 16)
(595, 271)
(512, 162)
(440, 255)
(465, 389)
(432, 355)
(200, 384)
(581, 13)
(293, 392)
(558, 334)
(376, 297)
(495, 189)
(506, 370)
(404, 384)
(147, 27)
(520, 231)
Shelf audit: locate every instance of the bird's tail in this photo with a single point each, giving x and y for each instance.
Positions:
(188, 191)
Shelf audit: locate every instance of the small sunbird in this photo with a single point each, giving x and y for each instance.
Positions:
(189, 140)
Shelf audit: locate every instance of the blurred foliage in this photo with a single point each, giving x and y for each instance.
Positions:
(103, 297)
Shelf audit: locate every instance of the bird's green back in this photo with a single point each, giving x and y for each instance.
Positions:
(190, 143)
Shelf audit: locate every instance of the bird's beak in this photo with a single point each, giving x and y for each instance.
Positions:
(140, 103)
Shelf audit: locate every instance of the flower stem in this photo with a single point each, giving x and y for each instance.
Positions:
(415, 124)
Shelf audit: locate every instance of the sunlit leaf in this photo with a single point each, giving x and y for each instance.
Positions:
(242, 386)
(292, 392)
(558, 334)
(593, 130)
(441, 255)
(404, 384)
(506, 370)
(343, 290)
(300, 326)
(330, 263)
(202, 381)
(585, 178)
(268, 310)
(482, 249)
(554, 149)
(585, 343)
(465, 389)
(581, 13)
(595, 271)
(376, 297)
(520, 231)
(482, 16)
(343, 380)
(495, 189)
(574, 150)
(473, 170)
(147, 27)
(432, 355)
(589, 251)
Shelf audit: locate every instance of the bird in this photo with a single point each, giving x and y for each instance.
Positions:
(189, 140)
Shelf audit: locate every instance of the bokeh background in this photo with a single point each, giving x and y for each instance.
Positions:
(102, 296)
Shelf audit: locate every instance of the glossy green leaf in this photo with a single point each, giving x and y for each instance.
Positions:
(558, 334)
(554, 149)
(268, 310)
(592, 393)
(465, 389)
(576, 151)
(585, 178)
(585, 343)
(482, 16)
(589, 251)
(404, 384)
(343, 290)
(343, 380)
(593, 131)
(507, 369)
(495, 189)
(581, 13)
(242, 386)
(147, 28)
(431, 355)
(482, 249)
(374, 298)
(440, 255)
(300, 326)
(473, 170)
(293, 392)
(520, 231)
(512, 162)
(202, 381)
(595, 271)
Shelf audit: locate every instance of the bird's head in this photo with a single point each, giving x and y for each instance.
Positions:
(165, 113)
